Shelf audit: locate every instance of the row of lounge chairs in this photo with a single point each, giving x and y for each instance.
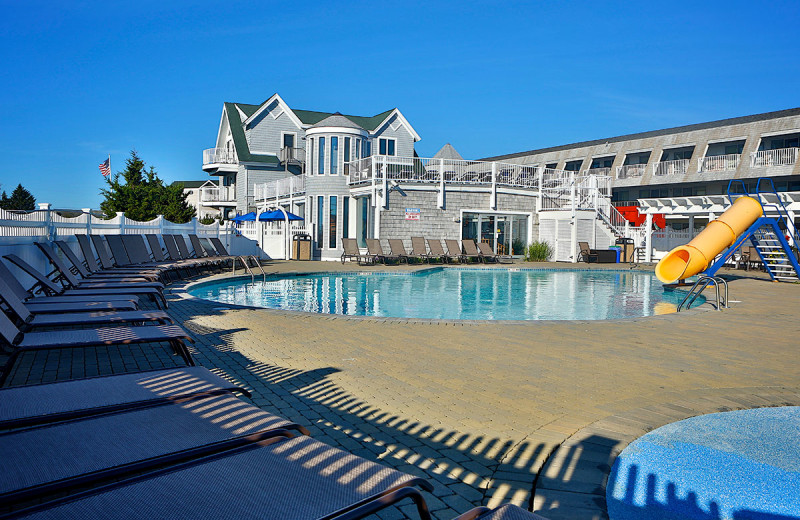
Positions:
(466, 251)
(177, 443)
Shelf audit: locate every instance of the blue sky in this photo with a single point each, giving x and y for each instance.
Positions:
(85, 79)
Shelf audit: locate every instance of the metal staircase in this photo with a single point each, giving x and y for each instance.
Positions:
(773, 254)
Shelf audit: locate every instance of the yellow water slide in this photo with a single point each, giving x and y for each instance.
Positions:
(685, 261)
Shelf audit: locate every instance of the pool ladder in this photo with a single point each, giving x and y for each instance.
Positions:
(700, 285)
(244, 260)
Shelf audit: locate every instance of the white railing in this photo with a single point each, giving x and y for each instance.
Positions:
(561, 190)
(720, 163)
(219, 156)
(597, 171)
(628, 171)
(359, 170)
(779, 157)
(293, 155)
(676, 167)
(285, 187)
(217, 194)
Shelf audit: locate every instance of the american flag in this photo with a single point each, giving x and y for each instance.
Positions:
(105, 167)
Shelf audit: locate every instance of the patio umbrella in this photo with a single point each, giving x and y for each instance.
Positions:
(248, 217)
(277, 215)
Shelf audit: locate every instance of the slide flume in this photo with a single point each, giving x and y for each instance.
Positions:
(685, 261)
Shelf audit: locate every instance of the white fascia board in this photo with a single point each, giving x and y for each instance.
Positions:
(337, 130)
(282, 103)
(403, 120)
(222, 119)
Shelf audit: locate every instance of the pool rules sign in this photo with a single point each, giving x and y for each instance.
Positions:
(412, 213)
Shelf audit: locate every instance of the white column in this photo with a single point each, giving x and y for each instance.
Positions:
(440, 198)
(48, 220)
(493, 196)
(374, 198)
(88, 212)
(121, 218)
(540, 176)
(573, 235)
(648, 238)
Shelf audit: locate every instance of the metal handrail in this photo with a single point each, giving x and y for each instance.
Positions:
(700, 285)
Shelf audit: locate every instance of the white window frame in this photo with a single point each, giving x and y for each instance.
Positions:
(387, 139)
(283, 133)
(339, 141)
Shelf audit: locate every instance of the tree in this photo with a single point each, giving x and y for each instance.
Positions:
(20, 199)
(142, 195)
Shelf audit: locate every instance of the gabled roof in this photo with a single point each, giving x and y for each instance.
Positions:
(237, 132)
(336, 119)
(448, 152)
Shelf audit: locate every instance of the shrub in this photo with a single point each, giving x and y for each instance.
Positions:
(517, 247)
(207, 220)
(539, 252)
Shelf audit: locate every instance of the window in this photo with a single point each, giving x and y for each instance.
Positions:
(551, 166)
(346, 155)
(320, 220)
(311, 156)
(366, 148)
(386, 146)
(358, 149)
(332, 222)
(734, 149)
(334, 155)
(288, 140)
(346, 217)
(604, 162)
(321, 167)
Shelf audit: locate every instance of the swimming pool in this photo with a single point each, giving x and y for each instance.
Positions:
(456, 294)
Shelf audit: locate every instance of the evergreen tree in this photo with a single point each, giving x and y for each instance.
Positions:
(142, 195)
(20, 199)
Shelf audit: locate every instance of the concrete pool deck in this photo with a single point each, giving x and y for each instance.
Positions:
(533, 413)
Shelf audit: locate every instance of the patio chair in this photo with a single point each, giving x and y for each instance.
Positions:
(31, 321)
(138, 254)
(351, 251)
(471, 250)
(79, 267)
(102, 246)
(504, 512)
(437, 251)
(375, 251)
(397, 250)
(66, 400)
(158, 256)
(454, 250)
(419, 250)
(200, 251)
(175, 255)
(586, 254)
(52, 289)
(487, 254)
(54, 304)
(18, 341)
(68, 457)
(291, 479)
(182, 252)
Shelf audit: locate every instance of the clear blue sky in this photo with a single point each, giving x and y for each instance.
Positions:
(85, 79)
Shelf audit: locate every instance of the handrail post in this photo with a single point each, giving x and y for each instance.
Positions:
(121, 217)
(88, 212)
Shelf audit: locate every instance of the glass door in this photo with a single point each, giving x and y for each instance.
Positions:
(503, 244)
(488, 229)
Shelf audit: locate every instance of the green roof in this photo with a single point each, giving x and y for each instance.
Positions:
(190, 184)
(237, 131)
(310, 117)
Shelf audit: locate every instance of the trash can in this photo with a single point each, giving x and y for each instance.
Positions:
(301, 247)
(626, 245)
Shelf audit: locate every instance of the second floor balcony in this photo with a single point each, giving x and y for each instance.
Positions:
(676, 167)
(292, 155)
(720, 163)
(217, 195)
(214, 157)
(779, 157)
(295, 185)
(628, 171)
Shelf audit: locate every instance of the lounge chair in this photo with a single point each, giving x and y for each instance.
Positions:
(586, 254)
(376, 252)
(200, 251)
(54, 304)
(138, 254)
(86, 453)
(158, 257)
(398, 250)
(487, 254)
(504, 512)
(418, 248)
(437, 251)
(471, 250)
(79, 267)
(108, 263)
(52, 289)
(351, 251)
(18, 342)
(66, 400)
(454, 250)
(31, 321)
(175, 255)
(270, 477)
(181, 252)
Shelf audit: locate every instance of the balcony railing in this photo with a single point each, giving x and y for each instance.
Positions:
(720, 163)
(280, 188)
(219, 156)
(779, 157)
(598, 171)
(676, 167)
(295, 155)
(628, 171)
(218, 194)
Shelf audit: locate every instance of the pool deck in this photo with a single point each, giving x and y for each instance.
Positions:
(528, 412)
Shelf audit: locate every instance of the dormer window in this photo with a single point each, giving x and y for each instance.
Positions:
(386, 146)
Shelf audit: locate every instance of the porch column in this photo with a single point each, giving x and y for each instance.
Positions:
(648, 238)
(493, 196)
(440, 195)
(573, 222)
(540, 179)
(374, 198)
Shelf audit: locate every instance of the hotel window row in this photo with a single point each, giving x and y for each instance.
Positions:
(327, 220)
(329, 155)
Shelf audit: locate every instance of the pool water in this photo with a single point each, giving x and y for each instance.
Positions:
(457, 294)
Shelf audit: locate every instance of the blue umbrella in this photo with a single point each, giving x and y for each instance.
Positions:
(249, 217)
(277, 215)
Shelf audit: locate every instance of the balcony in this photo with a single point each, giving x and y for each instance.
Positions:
(219, 159)
(779, 157)
(225, 195)
(285, 187)
(629, 171)
(293, 155)
(720, 163)
(605, 171)
(676, 167)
